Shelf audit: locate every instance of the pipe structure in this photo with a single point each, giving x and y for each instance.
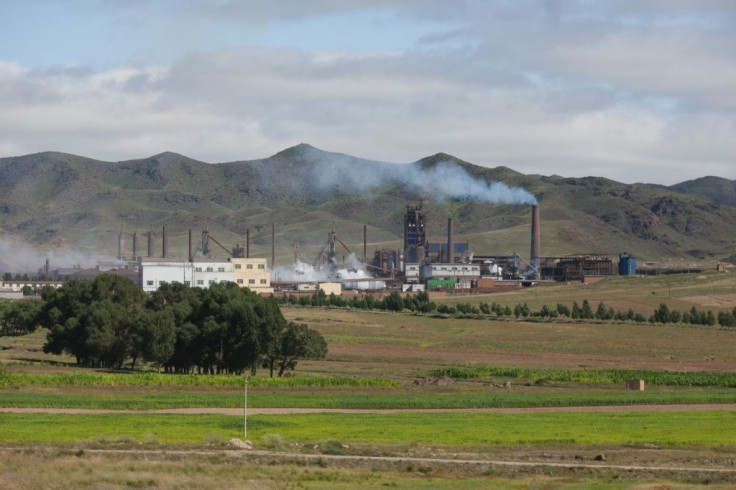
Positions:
(150, 243)
(273, 245)
(247, 243)
(450, 241)
(535, 250)
(136, 238)
(165, 243)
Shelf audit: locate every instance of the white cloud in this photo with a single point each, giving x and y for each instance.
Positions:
(634, 91)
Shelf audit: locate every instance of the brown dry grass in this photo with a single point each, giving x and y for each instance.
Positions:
(386, 344)
(80, 467)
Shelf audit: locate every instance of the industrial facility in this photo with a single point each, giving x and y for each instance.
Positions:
(422, 263)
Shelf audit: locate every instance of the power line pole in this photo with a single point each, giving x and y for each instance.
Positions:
(245, 405)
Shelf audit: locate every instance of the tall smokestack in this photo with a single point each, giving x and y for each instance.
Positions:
(136, 253)
(150, 243)
(450, 241)
(47, 268)
(535, 252)
(365, 243)
(190, 245)
(165, 243)
(247, 243)
(121, 245)
(273, 245)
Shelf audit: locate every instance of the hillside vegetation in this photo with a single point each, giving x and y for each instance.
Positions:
(53, 199)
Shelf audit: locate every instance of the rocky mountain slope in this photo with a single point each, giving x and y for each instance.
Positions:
(51, 200)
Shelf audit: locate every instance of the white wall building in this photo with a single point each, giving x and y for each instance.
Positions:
(198, 273)
(445, 271)
(252, 273)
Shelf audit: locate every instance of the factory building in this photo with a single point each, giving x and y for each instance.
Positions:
(584, 268)
(155, 272)
(252, 273)
(444, 276)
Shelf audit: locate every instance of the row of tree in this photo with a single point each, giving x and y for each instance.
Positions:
(417, 303)
(110, 321)
(420, 303)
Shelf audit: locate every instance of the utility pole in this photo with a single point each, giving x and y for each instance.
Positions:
(245, 405)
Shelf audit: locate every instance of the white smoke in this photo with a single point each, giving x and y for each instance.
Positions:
(450, 181)
(446, 180)
(17, 256)
(351, 274)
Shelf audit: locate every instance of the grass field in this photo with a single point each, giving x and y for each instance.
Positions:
(373, 359)
(714, 428)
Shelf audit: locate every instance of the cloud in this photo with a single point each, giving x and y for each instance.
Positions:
(634, 91)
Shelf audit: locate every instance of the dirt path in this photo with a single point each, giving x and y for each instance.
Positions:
(402, 459)
(286, 411)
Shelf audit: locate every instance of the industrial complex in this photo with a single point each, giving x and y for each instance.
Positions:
(421, 264)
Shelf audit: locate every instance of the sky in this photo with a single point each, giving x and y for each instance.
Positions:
(631, 90)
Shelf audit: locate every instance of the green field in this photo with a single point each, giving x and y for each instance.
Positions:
(713, 428)
(383, 361)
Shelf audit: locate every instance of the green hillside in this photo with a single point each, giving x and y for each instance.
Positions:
(54, 199)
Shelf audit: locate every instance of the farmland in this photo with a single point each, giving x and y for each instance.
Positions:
(409, 386)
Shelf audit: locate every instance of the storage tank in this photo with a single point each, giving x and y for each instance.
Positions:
(626, 265)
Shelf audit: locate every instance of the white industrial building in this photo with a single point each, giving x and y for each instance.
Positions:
(203, 272)
(197, 273)
(446, 271)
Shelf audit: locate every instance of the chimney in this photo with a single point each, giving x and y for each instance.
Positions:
(421, 254)
(47, 268)
(450, 241)
(535, 251)
(136, 237)
(121, 245)
(365, 243)
(165, 243)
(190, 245)
(150, 243)
(247, 243)
(273, 245)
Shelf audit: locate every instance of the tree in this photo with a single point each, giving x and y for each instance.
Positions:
(299, 342)
(586, 311)
(545, 311)
(601, 313)
(93, 320)
(20, 317)
(575, 312)
(726, 319)
(394, 302)
(661, 314)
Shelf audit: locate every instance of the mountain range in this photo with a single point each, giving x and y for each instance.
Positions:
(56, 201)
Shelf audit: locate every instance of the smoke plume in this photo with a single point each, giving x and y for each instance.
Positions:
(446, 180)
(19, 257)
(349, 274)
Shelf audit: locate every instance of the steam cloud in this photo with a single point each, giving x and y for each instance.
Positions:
(19, 257)
(302, 272)
(446, 180)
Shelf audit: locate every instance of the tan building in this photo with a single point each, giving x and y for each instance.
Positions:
(252, 273)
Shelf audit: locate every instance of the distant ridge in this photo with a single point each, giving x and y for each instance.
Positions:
(51, 199)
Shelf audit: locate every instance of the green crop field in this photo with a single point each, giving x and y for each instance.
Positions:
(381, 361)
(711, 428)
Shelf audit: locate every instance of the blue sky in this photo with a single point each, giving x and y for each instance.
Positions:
(636, 91)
